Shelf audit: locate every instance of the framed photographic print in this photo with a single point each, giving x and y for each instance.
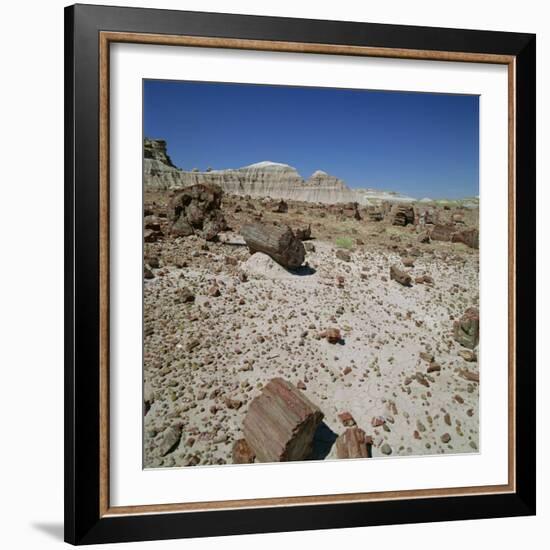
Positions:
(300, 283)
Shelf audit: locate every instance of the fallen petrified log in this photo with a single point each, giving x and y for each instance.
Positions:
(402, 277)
(470, 237)
(353, 443)
(280, 423)
(442, 232)
(466, 329)
(276, 241)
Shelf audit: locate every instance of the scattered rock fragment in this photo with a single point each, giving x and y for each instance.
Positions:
(386, 449)
(347, 419)
(332, 335)
(378, 421)
(242, 453)
(171, 439)
(466, 329)
(343, 255)
(185, 296)
(147, 273)
(400, 276)
(467, 355)
(434, 367)
(426, 356)
(353, 443)
(469, 375)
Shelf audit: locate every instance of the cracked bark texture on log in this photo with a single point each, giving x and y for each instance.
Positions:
(280, 423)
(276, 241)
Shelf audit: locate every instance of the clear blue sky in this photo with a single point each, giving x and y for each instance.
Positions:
(424, 145)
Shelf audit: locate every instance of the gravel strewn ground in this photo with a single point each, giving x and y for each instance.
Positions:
(218, 327)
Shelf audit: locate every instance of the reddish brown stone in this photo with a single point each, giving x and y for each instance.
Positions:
(353, 443)
(242, 453)
(332, 335)
(378, 421)
(347, 419)
(400, 276)
(470, 237)
(442, 233)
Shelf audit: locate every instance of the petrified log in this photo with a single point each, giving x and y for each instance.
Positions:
(375, 214)
(280, 423)
(279, 242)
(353, 443)
(470, 237)
(402, 214)
(442, 232)
(466, 329)
(402, 277)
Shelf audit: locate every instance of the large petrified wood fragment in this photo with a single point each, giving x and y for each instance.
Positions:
(442, 232)
(466, 329)
(353, 443)
(277, 241)
(470, 237)
(402, 214)
(197, 210)
(280, 423)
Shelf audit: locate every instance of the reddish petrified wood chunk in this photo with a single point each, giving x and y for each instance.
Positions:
(353, 443)
(470, 237)
(442, 232)
(280, 423)
(242, 453)
(347, 419)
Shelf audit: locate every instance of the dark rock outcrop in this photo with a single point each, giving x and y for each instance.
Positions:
(196, 210)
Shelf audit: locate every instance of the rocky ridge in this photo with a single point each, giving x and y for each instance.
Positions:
(261, 179)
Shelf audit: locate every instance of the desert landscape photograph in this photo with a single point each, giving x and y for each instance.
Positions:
(310, 274)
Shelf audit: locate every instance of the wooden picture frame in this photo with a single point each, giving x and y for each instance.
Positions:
(89, 32)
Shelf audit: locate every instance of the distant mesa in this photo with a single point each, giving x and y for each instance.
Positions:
(261, 179)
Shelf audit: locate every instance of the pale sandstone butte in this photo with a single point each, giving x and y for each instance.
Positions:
(262, 179)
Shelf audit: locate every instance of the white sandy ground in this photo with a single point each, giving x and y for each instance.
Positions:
(269, 326)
